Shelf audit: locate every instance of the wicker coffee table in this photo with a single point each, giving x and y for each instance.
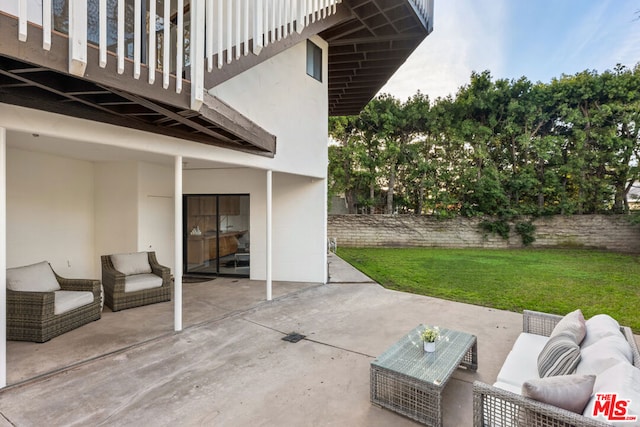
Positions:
(410, 382)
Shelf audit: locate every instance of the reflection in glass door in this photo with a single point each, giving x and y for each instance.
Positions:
(216, 234)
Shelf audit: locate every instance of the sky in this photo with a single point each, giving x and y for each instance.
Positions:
(538, 39)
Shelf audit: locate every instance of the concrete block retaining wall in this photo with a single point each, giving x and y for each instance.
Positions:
(608, 232)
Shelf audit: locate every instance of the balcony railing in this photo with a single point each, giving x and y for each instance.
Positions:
(425, 12)
(168, 36)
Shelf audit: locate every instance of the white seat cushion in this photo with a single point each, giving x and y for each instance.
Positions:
(132, 263)
(522, 361)
(68, 300)
(138, 282)
(32, 278)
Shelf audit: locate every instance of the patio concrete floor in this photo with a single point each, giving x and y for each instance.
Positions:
(230, 366)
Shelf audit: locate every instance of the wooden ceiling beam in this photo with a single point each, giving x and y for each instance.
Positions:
(231, 120)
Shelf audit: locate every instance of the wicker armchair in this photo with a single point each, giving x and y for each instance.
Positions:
(493, 406)
(30, 315)
(113, 281)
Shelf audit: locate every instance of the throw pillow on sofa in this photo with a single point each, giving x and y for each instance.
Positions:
(570, 392)
(560, 356)
(608, 351)
(598, 327)
(573, 324)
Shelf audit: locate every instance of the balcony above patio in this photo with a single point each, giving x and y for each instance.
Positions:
(368, 48)
(105, 55)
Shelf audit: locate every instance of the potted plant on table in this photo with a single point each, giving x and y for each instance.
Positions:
(429, 337)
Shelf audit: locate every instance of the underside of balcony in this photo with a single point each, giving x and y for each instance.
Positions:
(215, 124)
(368, 41)
(366, 50)
(108, 97)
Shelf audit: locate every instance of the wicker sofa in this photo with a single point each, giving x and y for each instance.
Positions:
(42, 305)
(125, 286)
(503, 405)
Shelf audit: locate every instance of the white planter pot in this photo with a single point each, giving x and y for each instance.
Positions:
(429, 347)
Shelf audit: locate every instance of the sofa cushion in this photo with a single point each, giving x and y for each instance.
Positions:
(37, 277)
(573, 324)
(68, 300)
(131, 263)
(623, 381)
(600, 326)
(570, 392)
(521, 362)
(139, 282)
(608, 351)
(560, 356)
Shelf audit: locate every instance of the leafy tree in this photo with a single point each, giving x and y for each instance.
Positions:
(342, 157)
(503, 148)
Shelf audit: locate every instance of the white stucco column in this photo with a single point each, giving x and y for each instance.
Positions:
(325, 259)
(177, 230)
(3, 257)
(269, 233)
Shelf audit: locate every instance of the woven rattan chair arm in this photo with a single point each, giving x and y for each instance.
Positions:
(535, 322)
(158, 269)
(493, 406)
(107, 268)
(89, 285)
(112, 279)
(113, 273)
(164, 272)
(30, 303)
(628, 334)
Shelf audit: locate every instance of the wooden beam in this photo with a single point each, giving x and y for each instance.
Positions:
(170, 114)
(417, 37)
(57, 92)
(232, 121)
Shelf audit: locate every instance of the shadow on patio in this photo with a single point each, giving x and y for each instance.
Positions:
(207, 301)
(230, 365)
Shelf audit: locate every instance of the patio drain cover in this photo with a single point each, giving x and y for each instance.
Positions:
(293, 337)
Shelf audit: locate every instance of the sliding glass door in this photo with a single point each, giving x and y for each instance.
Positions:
(216, 234)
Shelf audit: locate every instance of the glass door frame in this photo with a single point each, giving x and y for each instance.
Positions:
(196, 238)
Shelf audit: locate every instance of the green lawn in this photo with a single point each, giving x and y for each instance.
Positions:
(553, 281)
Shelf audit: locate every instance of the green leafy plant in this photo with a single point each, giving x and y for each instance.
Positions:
(526, 230)
(633, 218)
(499, 227)
(430, 334)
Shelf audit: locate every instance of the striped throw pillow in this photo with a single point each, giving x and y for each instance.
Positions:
(560, 356)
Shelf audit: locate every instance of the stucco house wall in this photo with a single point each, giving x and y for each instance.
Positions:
(70, 210)
(50, 212)
(280, 97)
